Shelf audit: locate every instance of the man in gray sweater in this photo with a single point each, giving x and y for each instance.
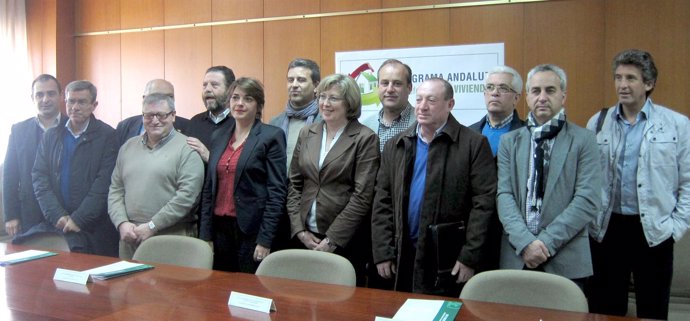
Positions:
(156, 180)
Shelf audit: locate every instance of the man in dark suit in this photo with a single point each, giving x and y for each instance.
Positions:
(21, 209)
(134, 126)
(72, 172)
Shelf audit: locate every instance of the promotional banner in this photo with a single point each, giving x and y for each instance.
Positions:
(464, 66)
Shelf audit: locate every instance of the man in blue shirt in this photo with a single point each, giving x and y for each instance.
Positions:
(645, 151)
(434, 173)
(502, 92)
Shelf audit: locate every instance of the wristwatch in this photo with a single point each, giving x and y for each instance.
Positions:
(330, 244)
(152, 226)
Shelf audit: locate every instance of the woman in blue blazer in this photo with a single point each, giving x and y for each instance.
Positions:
(245, 190)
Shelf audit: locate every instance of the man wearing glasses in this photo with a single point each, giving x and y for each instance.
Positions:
(140, 210)
(501, 94)
(72, 174)
(134, 126)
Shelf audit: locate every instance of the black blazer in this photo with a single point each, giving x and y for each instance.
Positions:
(131, 127)
(260, 182)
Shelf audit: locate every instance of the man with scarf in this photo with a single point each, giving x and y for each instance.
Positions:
(302, 108)
(549, 184)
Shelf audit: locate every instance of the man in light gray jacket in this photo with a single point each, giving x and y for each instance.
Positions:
(645, 152)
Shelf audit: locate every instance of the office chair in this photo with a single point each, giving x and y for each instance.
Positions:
(309, 265)
(176, 250)
(46, 240)
(527, 288)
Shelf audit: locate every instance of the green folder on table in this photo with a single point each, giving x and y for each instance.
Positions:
(24, 256)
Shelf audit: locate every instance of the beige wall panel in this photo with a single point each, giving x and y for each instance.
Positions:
(416, 28)
(663, 29)
(185, 11)
(361, 32)
(569, 34)
(103, 70)
(97, 15)
(410, 3)
(236, 9)
(187, 56)
(490, 24)
(277, 8)
(241, 48)
(142, 60)
(142, 13)
(340, 5)
(283, 42)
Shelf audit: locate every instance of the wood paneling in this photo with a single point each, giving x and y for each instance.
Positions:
(97, 15)
(187, 56)
(142, 13)
(349, 5)
(489, 25)
(663, 29)
(142, 60)
(416, 28)
(582, 36)
(236, 9)
(184, 11)
(410, 3)
(103, 71)
(363, 32)
(277, 8)
(283, 42)
(241, 48)
(568, 34)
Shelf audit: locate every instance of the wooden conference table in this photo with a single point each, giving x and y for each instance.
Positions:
(28, 292)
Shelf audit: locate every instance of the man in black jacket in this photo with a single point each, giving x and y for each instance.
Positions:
(22, 213)
(71, 175)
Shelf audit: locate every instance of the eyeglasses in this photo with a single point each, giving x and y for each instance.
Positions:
(160, 116)
(331, 99)
(81, 102)
(502, 89)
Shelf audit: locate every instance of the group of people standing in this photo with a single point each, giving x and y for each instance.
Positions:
(594, 205)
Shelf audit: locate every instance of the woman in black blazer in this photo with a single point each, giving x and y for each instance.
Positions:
(245, 190)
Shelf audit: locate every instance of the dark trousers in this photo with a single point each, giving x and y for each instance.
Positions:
(624, 251)
(233, 250)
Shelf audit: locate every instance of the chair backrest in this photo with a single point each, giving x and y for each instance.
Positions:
(309, 265)
(176, 250)
(47, 240)
(527, 288)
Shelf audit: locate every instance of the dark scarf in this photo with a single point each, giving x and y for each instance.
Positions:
(307, 113)
(541, 134)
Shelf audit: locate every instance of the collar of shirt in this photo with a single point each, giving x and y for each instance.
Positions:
(76, 135)
(217, 119)
(642, 115)
(438, 131)
(145, 139)
(502, 124)
(57, 121)
(403, 117)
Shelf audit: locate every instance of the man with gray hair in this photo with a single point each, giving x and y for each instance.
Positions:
(160, 155)
(302, 108)
(502, 91)
(549, 184)
(72, 172)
